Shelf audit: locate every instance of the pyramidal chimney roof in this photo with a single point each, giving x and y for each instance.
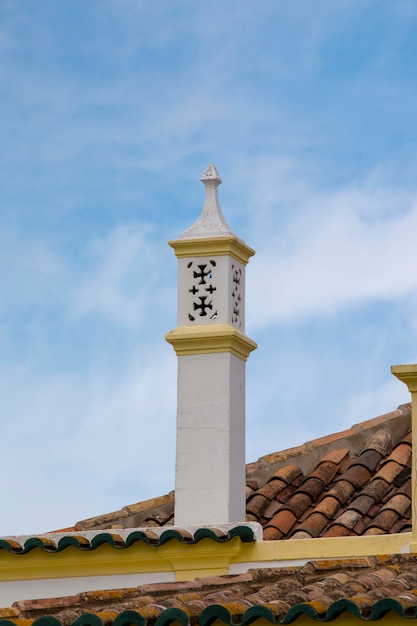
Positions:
(211, 222)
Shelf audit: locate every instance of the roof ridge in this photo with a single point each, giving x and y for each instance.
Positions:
(300, 460)
(310, 453)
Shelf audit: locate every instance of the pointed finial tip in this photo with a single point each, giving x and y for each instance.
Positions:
(211, 173)
(211, 222)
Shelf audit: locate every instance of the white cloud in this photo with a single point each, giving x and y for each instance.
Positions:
(82, 446)
(84, 433)
(31, 270)
(125, 279)
(340, 251)
(376, 401)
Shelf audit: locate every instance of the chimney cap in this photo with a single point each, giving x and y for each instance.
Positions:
(211, 222)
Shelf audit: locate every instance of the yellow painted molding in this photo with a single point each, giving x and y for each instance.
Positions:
(323, 548)
(407, 374)
(202, 560)
(209, 339)
(215, 246)
(189, 561)
(102, 561)
(206, 557)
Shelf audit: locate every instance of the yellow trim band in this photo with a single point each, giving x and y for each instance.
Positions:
(208, 339)
(293, 550)
(212, 247)
(188, 561)
(407, 374)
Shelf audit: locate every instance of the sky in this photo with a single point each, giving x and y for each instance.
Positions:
(110, 112)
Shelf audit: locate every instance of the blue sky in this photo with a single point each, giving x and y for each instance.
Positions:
(110, 112)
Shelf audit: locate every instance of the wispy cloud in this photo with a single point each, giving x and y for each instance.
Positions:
(343, 250)
(110, 113)
(125, 279)
(83, 441)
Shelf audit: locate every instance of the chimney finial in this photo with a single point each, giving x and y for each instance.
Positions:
(211, 173)
(211, 222)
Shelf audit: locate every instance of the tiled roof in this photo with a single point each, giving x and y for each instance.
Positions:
(367, 588)
(356, 482)
(90, 540)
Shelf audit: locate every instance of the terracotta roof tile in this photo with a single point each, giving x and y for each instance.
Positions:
(389, 471)
(328, 506)
(402, 477)
(368, 588)
(285, 493)
(374, 510)
(257, 504)
(385, 574)
(272, 488)
(373, 530)
(399, 503)
(337, 530)
(376, 489)
(362, 525)
(362, 504)
(296, 597)
(401, 454)
(357, 475)
(402, 525)
(348, 518)
(409, 437)
(369, 580)
(342, 484)
(369, 459)
(288, 473)
(248, 492)
(314, 524)
(272, 534)
(284, 520)
(312, 486)
(298, 503)
(384, 520)
(336, 456)
(325, 471)
(273, 507)
(301, 534)
(380, 441)
(342, 490)
(357, 486)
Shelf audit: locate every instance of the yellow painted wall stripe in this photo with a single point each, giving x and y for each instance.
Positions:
(188, 561)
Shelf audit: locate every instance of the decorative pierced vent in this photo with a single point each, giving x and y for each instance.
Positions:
(202, 288)
(236, 295)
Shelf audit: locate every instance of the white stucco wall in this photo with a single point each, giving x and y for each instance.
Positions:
(210, 462)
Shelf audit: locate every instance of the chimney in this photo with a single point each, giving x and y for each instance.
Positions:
(212, 350)
(408, 375)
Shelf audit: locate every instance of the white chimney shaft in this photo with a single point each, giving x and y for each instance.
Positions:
(212, 350)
